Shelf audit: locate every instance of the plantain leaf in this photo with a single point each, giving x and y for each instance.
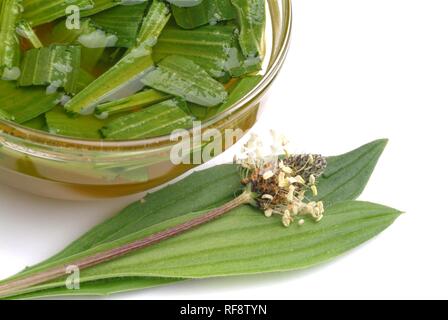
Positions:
(208, 46)
(252, 21)
(347, 175)
(243, 242)
(183, 78)
(205, 12)
(122, 21)
(154, 121)
(25, 104)
(57, 66)
(9, 42)
(123, 79)
(87, 127)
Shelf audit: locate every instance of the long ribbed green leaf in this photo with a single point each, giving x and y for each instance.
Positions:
(183, 78)
(9, 42)
(122, 21)
(346, 225)
(38, 12)
(219, 183)
(252, 21)
(206, 12)
(25, 104)
(25, 30)
(123, 79)
(153, 23)
(142, 99)
(237, 91)
(347, 175)
(87, 127)
(209, 47)
(245, 242)
(57, 66)
(154, 121)
(241, 89)
(126, 72)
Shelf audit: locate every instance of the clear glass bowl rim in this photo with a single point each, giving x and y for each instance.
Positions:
(19, 133)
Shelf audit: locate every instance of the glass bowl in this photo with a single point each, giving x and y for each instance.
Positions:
(74, 169)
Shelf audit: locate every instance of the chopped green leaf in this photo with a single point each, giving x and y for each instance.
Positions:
(252, 21)
(84, 79)
(123, 21)
(25, 30)
(154, 121)
(142, 99)
(209, 47)
(153, 23)
(59, 122)
(206, 12)
(56, 66)
(240, 90)
(183, 78)
(25, 104)
(9, 42)
(124, 78)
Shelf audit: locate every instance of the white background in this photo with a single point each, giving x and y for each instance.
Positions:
(358, 70)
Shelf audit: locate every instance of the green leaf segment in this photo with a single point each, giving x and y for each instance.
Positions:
(9, 43)
(55, 66)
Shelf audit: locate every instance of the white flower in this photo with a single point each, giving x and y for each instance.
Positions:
(268, 175)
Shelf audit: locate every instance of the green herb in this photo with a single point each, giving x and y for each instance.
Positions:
(183, 78)
(58, 122)
(9, 42)
(142, 99)
(243, 87)
(153, 24)
(209, 47)
(38, 12)
(241, 242)
(123, 21)
(252, 20)
(25, 104)
(56, 66)
(237, 92)
(83, 80)
(123, 79)
(122, 46)
(206, 12)
(27, 32)
(128, 70)
(157, 120)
